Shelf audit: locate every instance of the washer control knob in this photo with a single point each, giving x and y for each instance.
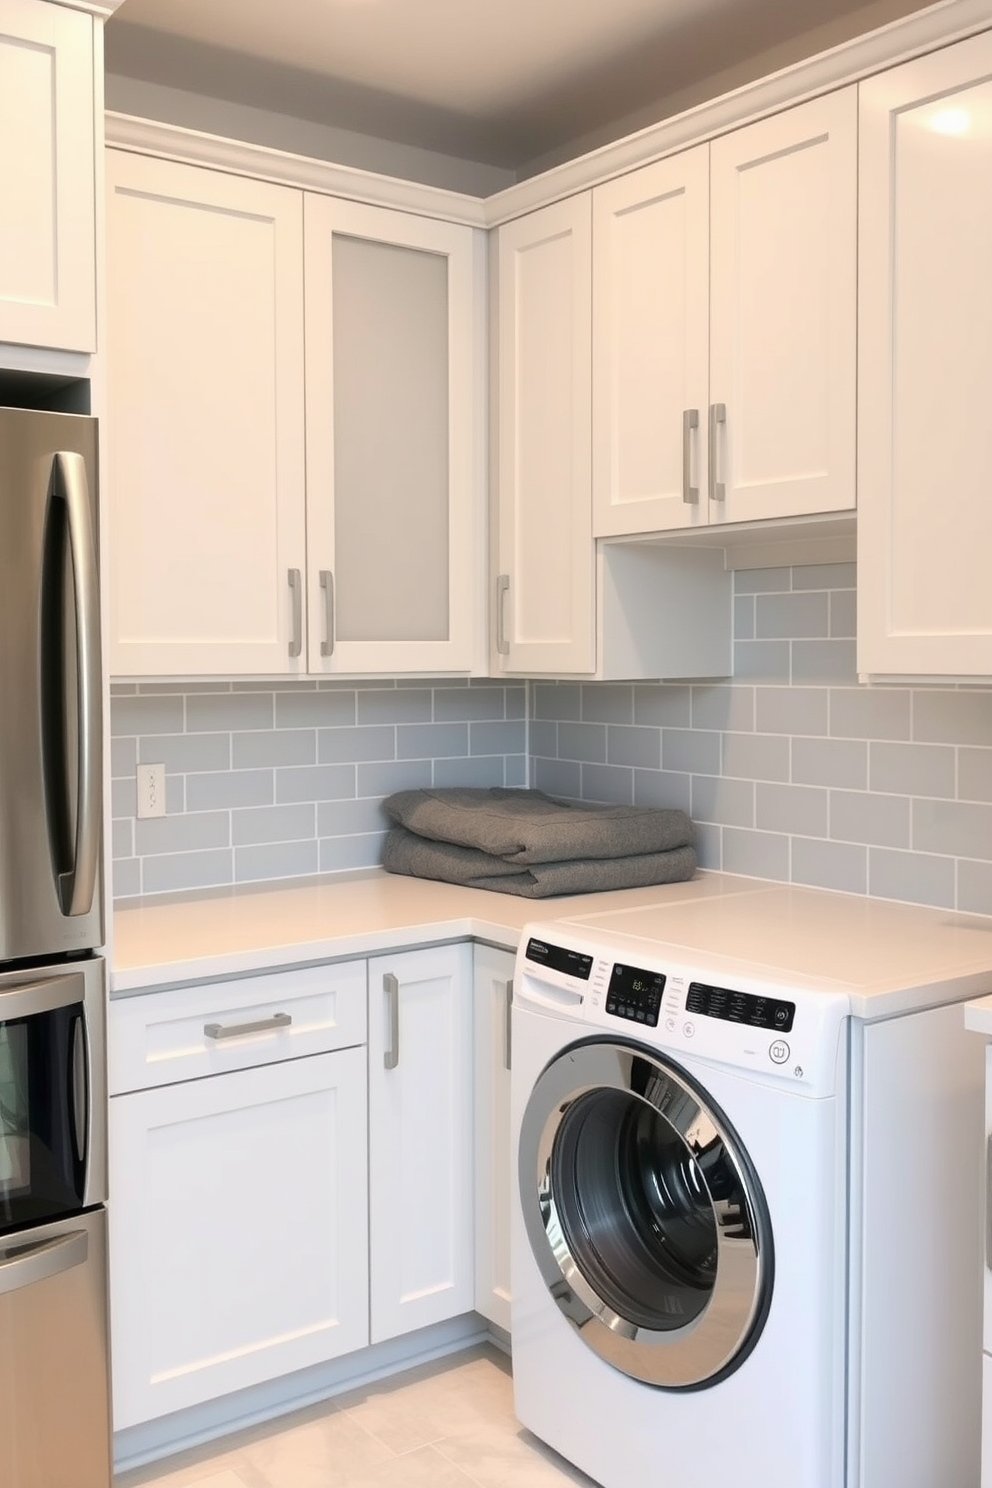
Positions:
(779, 1051)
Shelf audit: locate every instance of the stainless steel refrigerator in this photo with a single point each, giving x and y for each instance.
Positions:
(54, 1399)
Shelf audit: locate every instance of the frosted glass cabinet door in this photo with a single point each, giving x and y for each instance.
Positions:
(47, 221)
(395, 480)
(925, 366)
(205, 365)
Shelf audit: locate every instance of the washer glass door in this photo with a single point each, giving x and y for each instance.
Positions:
(644, 1215)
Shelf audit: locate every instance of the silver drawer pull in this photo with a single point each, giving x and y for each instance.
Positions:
(391, 988)
(718, 417)
(507, 1022)
(690, 421)
(233, 1030)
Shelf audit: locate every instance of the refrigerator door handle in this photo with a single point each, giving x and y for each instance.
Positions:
(77, 886)
(23, 1265)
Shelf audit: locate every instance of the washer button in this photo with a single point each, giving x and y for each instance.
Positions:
(688, 1029)
(779, 1051)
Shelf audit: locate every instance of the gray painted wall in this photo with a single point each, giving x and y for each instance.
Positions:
(792, 771)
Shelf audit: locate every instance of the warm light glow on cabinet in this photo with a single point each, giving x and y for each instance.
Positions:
(950, 121)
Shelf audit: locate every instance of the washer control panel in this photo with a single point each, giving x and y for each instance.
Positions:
(740, 1007)
(790, 1032)
(635, 994)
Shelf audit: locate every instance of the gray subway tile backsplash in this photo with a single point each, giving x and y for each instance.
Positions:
(792, 770)
(276, 780)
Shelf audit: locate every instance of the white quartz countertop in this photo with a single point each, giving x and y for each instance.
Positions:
(226, 932)
(885, 958)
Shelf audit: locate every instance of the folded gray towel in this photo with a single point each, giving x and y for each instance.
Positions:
(405, 852)
(527, 826)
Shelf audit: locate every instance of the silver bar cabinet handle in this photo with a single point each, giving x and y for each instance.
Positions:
(391, 987)
(502, 585)
(234, 1030)
(690, 421)
(327, 585)
(507, 1023)
(77, 886)
(718, 416)
(22, 1265)
(988, 1201)
(296, 589)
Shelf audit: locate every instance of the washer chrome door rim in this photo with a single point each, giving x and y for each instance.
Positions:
(732, 1296)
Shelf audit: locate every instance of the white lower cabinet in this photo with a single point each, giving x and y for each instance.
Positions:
(239, 1201)
(281, 1194)
(494, 1169)
(420, 1138)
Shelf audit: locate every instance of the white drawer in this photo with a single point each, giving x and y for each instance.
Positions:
(183, 1033)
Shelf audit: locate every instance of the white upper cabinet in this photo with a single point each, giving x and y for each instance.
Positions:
(545, 586)
(47, 206)
(297, 472)
(651, 346)
(395, 455)
(206, 474)
(563, 604)
(725, 321)
(925, 366)
(783, 313)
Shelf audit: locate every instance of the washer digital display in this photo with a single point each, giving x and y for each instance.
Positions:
(635, 994)
(740, 1007)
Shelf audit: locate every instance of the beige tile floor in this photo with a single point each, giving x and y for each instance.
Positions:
(449, 1424)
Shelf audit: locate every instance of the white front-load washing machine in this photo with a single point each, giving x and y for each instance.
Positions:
(694, 1298)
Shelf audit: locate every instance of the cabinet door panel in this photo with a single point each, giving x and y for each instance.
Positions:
(546, 548)
(650, 346)
(206, 400)
(393, 469)
(420, 1135)
(47, 211)
(238, 1230)
(925, 366)
(783, 235)
(495, 1167)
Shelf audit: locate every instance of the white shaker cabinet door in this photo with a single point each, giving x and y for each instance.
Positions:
(651, 347)
(495, 1163)
(395, 440)
(420, 1138)
(238, 1230)
(206, 428)
(783, 310)
(925, 366)
(47, 205)
(545, 583)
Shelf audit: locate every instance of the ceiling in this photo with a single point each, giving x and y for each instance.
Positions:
(504, 83)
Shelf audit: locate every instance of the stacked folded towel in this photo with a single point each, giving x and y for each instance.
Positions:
(525, 842)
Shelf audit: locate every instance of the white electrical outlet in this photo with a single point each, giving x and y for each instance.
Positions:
(151, 790)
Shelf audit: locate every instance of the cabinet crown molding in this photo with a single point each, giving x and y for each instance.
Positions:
(262, 163)
(899, 41)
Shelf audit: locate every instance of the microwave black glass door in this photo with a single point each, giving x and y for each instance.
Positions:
(42, 1164)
